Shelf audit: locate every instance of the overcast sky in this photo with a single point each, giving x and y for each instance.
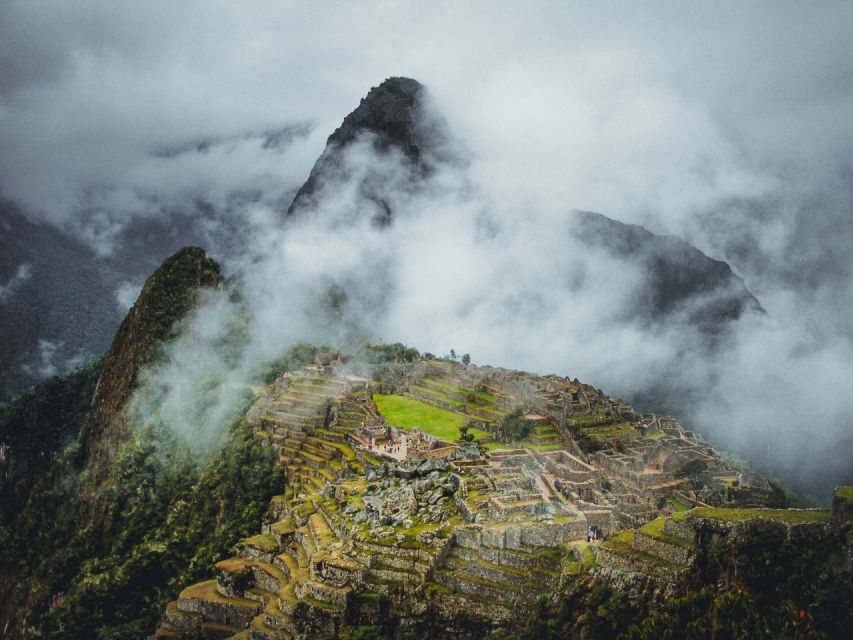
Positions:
(615, 105)
(730, 125)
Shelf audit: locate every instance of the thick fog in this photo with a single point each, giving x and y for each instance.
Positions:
(728, 126)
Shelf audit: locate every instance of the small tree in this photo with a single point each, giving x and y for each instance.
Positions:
(515, 427)
(464, 436)
(585, 442)
(697, 476)
(466, 359)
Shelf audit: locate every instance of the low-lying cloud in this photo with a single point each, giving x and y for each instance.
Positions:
(727, 126)
(461, 267)
(22, 274)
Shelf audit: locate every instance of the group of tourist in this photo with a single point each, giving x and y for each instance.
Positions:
(392, 447)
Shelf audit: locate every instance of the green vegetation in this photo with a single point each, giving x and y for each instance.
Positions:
(612, 433)
(37, 426)
(158, 520)
(591, 420)
(679, 506)
(696, 473)
(409, 413)
(780, 515)
(655, 530)
(485, 396)
(761, 586)
(263, 541)
(294, 358)
(532, 444)
(623, 542)
(585, 442)
(514, 427)
(158, 517)
(157, 317)
(846, 493)
(447, 387)
(781, 497)
(162, 518)
(378, 353)
(587, 554)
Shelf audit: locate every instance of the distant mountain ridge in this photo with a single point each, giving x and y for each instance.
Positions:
(678, 276)
(64, 310)
(67, 310)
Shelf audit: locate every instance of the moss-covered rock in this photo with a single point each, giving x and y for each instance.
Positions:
(168, 295)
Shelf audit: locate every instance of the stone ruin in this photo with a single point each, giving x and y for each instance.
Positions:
(437, 529)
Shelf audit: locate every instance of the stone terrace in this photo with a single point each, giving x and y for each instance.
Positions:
(475, 531)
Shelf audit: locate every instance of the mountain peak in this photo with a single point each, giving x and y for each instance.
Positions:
(167, 296)
(387, 113)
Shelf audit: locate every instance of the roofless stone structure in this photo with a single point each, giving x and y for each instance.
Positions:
(386, 507)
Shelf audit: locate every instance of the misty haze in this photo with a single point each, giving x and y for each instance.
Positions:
(373, 320)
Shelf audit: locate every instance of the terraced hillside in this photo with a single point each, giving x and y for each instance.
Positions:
(387, 514)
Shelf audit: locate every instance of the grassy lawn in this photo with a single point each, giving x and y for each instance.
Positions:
(740, 515)
(678, 504)
(410, 413)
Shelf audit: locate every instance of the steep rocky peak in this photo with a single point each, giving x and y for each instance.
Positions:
(167, 296)
(387, 111)
(390, 114)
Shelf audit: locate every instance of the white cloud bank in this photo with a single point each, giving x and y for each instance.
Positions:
(727, 125)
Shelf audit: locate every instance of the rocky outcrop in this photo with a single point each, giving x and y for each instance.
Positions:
(388, 115)
(657, 558)
(168, 295)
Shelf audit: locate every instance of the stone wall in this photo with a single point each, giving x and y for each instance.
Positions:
(467, 514)
(842, 506)
(603, 519)
(209, 609)
(607, 559)
(479, 590)
(504, 557)
(525, 537)
(663, 550)
(679, 528)
(453, 608)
